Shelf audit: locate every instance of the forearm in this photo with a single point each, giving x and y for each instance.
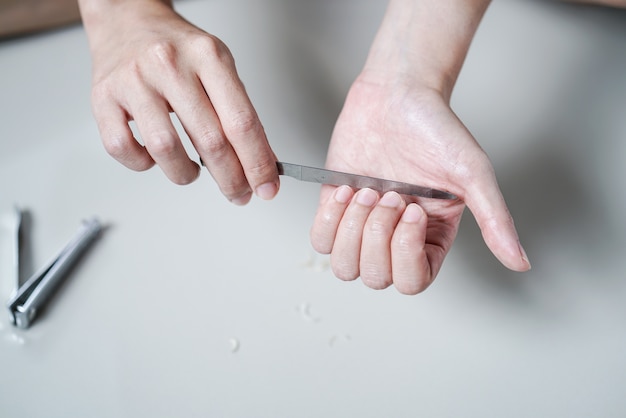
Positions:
(101, 16)
(426, 40)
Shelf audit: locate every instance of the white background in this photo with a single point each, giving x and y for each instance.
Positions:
(148, 323)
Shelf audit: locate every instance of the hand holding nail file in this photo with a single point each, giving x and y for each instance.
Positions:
(338, 178)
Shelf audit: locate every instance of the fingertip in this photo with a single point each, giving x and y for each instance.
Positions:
(496, 224)
(391, 200)
(366, 197)
(343, 194)
(525, 262)
(242, 200)
(127, 151)
(507, 248)
(267, 191)
(413, 214)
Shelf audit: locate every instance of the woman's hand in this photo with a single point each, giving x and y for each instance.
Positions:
(147, 62)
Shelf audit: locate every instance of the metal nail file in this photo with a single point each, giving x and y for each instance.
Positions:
(338, 178)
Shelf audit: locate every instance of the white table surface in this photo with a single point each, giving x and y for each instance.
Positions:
(145, 325)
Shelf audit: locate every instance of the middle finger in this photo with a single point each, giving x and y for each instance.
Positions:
(197, 115)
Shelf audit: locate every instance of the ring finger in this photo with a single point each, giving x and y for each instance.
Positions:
(375, 264)
(161, 139)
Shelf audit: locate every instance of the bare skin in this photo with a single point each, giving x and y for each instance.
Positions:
(396, 122)
(147, 62)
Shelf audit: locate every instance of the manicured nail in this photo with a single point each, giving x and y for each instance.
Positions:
(267, 191)
(523, 254)
(412, 214)
(366, 197)
(242, 200)
(343, 194)
(390, 200)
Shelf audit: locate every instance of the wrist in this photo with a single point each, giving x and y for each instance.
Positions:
(91, 9)
(423, 42)
(100, 17)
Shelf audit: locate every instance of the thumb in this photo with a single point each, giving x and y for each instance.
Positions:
(485, 201)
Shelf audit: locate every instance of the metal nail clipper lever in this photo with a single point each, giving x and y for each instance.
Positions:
(29, 298)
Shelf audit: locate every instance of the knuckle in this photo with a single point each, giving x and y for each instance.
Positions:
(261, 169)
(116, 146)
(405, 244)
(212, 48)
(377, 229)
(351, 228)
(161, 144)
(328, 218)
(100, 93)
(242, 124)
(404, 247)
(162, 55)
(213, 143)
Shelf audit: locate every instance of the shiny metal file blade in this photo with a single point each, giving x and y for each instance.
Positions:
(338, 178)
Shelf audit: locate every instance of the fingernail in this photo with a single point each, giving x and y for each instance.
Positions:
(343, 194)
(366, 197)
(242, 200)
(524, 256)
(412, 214)
(267, 191)
(390, 200)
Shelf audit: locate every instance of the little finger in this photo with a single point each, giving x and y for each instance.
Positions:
(346, 252)
(117, 137)
(162, 141)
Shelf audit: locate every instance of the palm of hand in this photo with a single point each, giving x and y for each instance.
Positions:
(412, 137)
